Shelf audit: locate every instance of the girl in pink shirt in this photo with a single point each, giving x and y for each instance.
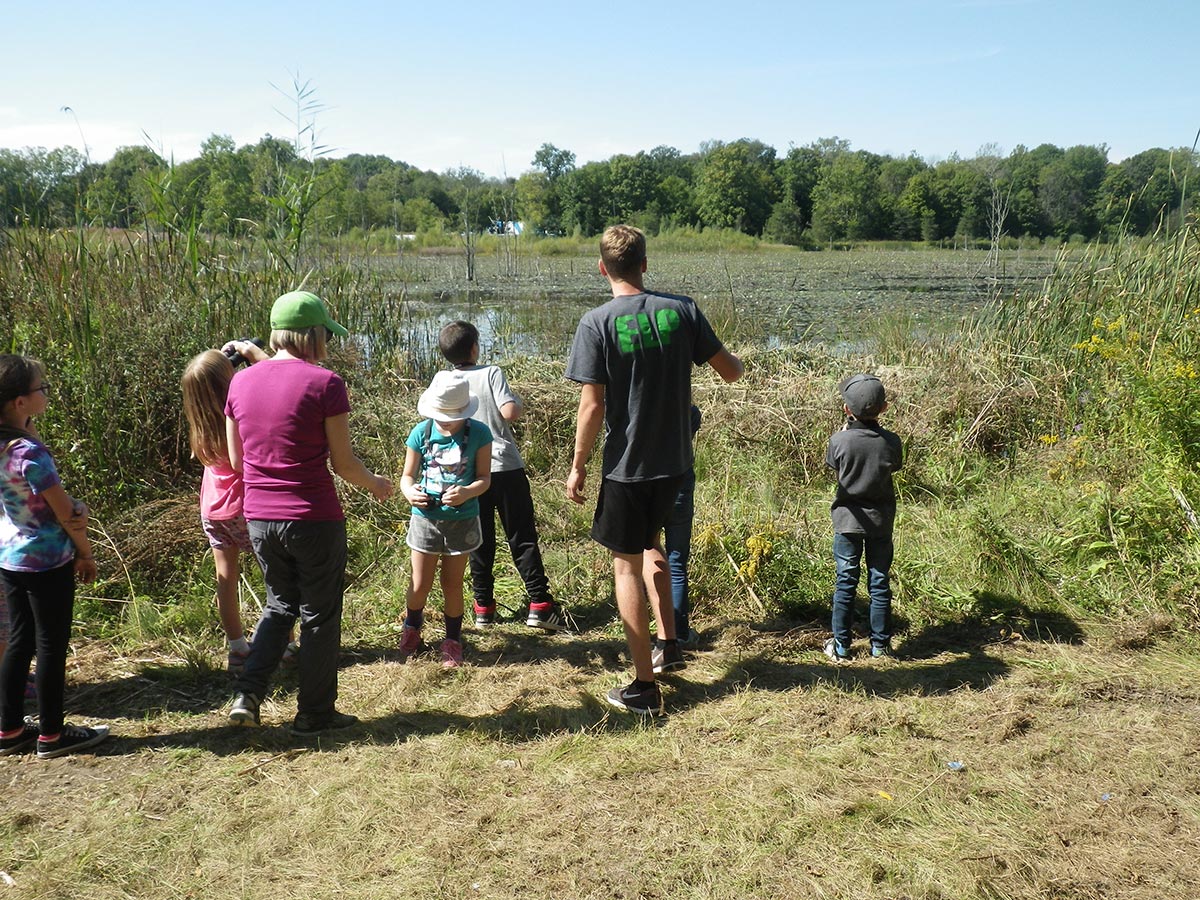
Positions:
(205, 388)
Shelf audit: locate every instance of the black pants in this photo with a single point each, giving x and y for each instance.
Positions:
(304, 569)
(509, 496)
(40, 606)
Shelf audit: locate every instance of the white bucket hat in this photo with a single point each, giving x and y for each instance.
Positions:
(448, 398)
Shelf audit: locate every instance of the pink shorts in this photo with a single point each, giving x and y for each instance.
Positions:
(224, 534)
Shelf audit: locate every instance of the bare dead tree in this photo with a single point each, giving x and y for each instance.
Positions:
(994, 168)
(507, 216)
(469, 182)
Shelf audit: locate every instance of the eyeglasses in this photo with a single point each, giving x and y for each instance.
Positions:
(44, 387)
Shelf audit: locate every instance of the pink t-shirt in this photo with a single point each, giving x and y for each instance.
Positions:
(280, 406)
(220, 493)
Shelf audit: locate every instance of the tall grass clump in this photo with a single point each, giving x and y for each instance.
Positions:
(1119, 327)
(115, 317)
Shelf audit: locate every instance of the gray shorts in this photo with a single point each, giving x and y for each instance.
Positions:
(444, 537)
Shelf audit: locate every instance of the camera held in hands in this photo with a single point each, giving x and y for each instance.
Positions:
(236, 358)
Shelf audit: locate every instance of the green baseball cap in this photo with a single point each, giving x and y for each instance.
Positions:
(303, 309)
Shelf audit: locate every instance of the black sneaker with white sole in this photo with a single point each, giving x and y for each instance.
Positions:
(244, 710)
(666, 658)
(71, 739)
(631, 698)
(21, 741)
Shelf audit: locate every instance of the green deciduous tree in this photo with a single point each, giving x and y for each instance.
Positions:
(736, 185)
(846, 199)
(1069, 187)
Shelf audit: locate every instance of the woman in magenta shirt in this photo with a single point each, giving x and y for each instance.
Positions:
(288, 421)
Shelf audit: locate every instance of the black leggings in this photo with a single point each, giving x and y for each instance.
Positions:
(40, 605)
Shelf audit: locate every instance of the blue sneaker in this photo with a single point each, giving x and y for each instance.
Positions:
(882, 651)
(837, 652)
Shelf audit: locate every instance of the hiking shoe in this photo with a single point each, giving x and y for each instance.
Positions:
(547, 616)
(307, 724)
(71, 739)
(235, 664)
(666, 658)
(452, 654)
(244, 710)
(690, 642)
(882, 651)
(643, 701)
(836, 651)
(410, 642)
(21, 741)
(485, 615)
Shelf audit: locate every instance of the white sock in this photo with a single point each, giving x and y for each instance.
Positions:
(240, 645)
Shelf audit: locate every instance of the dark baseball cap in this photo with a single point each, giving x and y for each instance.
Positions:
(863, 395)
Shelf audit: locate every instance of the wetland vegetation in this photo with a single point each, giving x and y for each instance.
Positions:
(1046, 580)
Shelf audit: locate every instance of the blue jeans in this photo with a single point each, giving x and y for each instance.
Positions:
(848, 552)
(677, 543)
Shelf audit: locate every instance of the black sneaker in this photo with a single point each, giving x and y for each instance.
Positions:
(547, 616)
(71, 739)
(19, 743)
(244, 710)
(643, 701)
(666, 658)
(307, 725)
(485, 615)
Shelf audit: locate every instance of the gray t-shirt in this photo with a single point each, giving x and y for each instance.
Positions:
(864, 456)
(642, 348)
(491, 387)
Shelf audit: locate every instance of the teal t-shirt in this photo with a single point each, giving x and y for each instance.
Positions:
(447, 460)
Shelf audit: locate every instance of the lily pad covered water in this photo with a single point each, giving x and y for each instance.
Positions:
(769, 298)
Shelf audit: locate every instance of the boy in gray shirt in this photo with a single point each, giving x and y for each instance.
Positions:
(509, 494)
(863, 455)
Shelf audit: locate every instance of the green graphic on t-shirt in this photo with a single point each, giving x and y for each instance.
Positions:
(637, 331)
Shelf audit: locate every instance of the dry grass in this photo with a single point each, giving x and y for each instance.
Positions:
(775, 775)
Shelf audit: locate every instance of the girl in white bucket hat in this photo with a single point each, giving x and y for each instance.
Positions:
(447, 465)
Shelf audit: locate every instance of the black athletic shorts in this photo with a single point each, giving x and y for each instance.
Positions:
(630, 514)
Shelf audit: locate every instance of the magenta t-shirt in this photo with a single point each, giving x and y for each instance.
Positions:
(280, 406)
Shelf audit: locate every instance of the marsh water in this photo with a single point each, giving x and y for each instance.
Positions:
(773, 299)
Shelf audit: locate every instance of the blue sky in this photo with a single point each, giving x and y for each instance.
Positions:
(441, 85)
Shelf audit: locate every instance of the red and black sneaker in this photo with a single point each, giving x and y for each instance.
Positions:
(547, 615)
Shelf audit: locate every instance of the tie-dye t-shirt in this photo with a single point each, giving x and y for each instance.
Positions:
(31, 539)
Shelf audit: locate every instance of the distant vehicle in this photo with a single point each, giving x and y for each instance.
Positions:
(501, 226)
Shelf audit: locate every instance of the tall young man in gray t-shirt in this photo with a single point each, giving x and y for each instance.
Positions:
(633, 357)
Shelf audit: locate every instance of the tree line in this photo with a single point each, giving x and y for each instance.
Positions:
(822, 192)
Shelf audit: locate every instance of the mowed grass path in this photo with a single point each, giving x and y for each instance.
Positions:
(774, 775)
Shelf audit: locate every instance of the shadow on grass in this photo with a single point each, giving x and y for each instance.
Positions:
(993, 618)
(778, 656)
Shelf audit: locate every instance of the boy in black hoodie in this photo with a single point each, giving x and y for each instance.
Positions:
(863, 455)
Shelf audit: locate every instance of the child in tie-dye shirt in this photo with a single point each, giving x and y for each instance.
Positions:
(44, 547)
